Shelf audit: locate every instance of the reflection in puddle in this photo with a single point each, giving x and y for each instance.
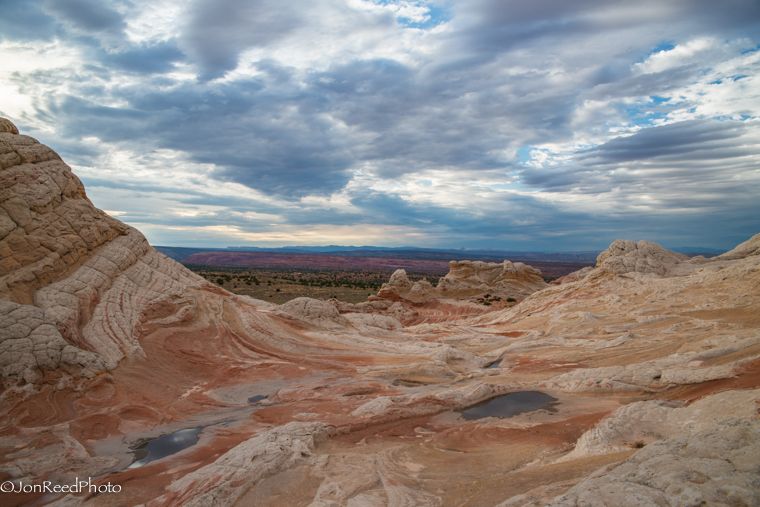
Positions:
(510, 405)
(165, 445)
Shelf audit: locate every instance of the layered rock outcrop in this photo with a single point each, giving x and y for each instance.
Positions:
(399, 287)
(511, 279)
(73, 281)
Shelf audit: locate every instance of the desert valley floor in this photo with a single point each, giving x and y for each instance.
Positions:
(634, 382)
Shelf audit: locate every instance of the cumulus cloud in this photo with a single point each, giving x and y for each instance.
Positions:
(480, 123)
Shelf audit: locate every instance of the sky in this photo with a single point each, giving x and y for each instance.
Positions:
(543, 125)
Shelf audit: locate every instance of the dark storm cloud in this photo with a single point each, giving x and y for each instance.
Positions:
(143, 58)
(629, 84)
(272, 133)
(188, 196)
(23, 20)
(696, 158)
(491, 26)
(87, 15)
(415, 120)
(689, 140)
(253, 132)
(502, 75)
(219, 30)
(513, 214)
(355, 90)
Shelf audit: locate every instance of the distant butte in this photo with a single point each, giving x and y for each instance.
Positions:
(109, 348)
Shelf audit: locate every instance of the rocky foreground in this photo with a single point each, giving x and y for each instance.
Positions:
(651, 360)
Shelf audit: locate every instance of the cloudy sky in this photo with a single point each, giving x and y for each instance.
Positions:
(525, 125)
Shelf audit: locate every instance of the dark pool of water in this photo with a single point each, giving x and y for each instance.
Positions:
(257, 398)
(165, 445)
(495, 364)
(407, 383)
(511, 404)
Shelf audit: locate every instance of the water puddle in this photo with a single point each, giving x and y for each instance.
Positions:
(511, 404)
(255, 399)
(495, 364)
(164, 445)
(408, 383)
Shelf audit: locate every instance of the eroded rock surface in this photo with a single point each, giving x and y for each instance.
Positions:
(717, 466)
(640, 423)
(73, 281)
(105, 344)
(625, 256)
(512, 279)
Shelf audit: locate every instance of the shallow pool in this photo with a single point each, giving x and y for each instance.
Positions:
(511, 404)
(165, 445)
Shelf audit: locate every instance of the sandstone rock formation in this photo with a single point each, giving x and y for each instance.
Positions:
(227, 479)
(511, 279)
(717, 466)
(641, 423)
(106, 345)
(746, 249)
(624, 256)
(399, 288)
(398, 285)
(73, 281)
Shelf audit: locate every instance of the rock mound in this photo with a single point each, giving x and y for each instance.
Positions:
(748, 248)
(73, 281)
(397, 285)
(421, 290)
(508, 278)
(314, 311)
(625, 256)
(47, 224)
